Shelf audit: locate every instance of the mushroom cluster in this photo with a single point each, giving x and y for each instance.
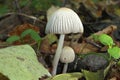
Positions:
(63, 21)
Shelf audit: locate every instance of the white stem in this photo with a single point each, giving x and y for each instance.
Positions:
(57, 54)
(65, 68)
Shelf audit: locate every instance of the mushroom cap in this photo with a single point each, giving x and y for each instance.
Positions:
(64, 21)
(67, 55)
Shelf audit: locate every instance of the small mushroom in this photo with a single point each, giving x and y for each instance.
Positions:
(67, 56)
(63, 21)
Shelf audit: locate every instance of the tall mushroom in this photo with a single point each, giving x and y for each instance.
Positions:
(67, 56)
(63, 21)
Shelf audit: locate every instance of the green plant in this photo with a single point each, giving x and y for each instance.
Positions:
(113, 54)
(104, 39)
(33, 34)
(113, 50)
(13, 39)
(44, 4)
(3, 9)
(67, 76)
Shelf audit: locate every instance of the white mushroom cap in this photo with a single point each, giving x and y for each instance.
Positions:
(64, 21)
(67, 55)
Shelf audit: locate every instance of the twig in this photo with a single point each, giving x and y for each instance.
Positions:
(107, 30)
(17, 6)
(93, 43)
(18, 10)
(22, 14)
(4, 16)
(32, 17)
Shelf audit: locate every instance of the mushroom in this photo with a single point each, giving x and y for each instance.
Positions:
(63, 21)
(67, 56)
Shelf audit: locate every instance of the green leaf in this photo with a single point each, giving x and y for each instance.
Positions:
(23, 3)
(67, 76)
(95, 37)
(99, 75)
(3, 9)
(25, 33)
(20, 63)
(106, 39)
(12, 39)
(114, 52)
(34, 35)
(51, 38)
(44, 4)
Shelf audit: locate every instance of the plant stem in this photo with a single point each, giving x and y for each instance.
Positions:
(38, 45)
(58, 53)
(65, 68)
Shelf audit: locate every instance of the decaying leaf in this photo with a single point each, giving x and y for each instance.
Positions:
(20, 29)
(45, 46)
(114, 78)
(67, 76)
(20, 63)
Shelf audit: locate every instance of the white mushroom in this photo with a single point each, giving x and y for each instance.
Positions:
(63, 21)
(67, 56)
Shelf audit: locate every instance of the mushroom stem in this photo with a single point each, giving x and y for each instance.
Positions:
(65, 68)
(58, 53)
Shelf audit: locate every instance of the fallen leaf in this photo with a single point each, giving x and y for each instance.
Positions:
(21, 28)
(20, 63)
(114, 78)
(45, 46)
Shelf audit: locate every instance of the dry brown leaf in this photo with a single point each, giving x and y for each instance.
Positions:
(20, 28)
(114, 78)
(45, 46)
(83, 48)
(53, 48)
(107, 30)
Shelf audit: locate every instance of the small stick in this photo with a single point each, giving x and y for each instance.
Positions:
(107, 30)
